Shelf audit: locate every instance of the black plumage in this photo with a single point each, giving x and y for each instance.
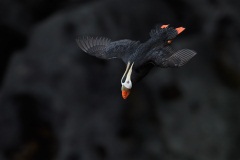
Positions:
(142, 57)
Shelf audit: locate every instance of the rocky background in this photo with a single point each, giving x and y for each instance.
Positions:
(57, 103)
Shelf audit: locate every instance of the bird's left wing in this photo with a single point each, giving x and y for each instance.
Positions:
(173, 58)
(105, 49)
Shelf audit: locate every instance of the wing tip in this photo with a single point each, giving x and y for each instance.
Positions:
(185, 55)
(88, 43)
(79, 43)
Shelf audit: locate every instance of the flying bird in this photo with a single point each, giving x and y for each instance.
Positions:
(139, 58)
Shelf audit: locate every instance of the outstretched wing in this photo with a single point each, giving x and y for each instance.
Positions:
(105, 49)
(94, 46)
(173, 59)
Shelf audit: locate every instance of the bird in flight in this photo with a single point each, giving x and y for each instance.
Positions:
(139, 58)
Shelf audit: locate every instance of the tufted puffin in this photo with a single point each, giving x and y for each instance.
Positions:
(139, 58)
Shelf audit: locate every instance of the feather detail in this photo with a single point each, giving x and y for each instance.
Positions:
(179, 58)
(94, 46)
(90, 44)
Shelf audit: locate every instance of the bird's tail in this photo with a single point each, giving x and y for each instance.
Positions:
(164, 31)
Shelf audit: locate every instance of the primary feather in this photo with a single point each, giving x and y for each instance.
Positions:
(94, 46)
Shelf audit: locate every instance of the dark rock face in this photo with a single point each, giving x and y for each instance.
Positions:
(58, 103)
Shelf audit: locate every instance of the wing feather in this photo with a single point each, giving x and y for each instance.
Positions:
(94, 46)
(179, 58)
(103, 47)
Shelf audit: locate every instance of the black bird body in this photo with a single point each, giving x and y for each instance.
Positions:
(140, 57)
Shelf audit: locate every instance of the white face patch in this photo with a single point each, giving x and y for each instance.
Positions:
(127, 83)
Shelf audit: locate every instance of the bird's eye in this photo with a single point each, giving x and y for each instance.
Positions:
(127, 82)
(169, 41)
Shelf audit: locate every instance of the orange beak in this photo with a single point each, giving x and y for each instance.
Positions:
(180, 30)
(125, 93)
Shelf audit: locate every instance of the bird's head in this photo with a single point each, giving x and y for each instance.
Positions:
(126, 81)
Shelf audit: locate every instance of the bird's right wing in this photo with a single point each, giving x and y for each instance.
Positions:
(179, 58)
(173, 58)
(105, 49)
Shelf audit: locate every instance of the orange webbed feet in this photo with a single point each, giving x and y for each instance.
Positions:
(164, 26)
(180, 29)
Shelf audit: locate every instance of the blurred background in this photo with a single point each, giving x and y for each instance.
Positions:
(57, 103)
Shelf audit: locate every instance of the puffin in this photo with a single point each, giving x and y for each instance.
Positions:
(139, 57)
